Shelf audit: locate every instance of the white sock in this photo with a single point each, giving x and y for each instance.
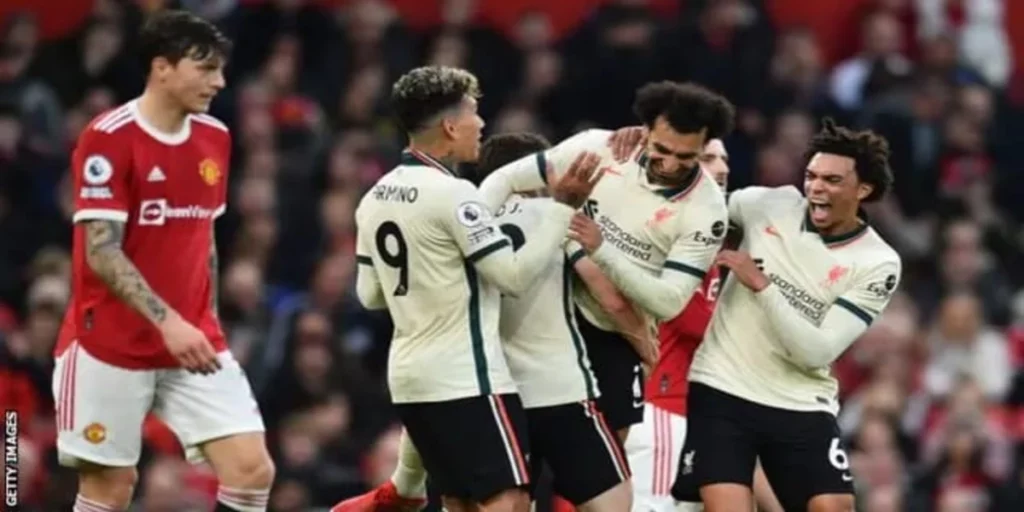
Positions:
(243, 500)
(83, 504)
(410, 477)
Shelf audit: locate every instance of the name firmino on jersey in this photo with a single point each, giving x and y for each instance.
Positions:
(808, 306)
(396, 193)
(624, 241)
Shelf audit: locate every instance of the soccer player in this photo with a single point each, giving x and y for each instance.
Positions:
(431, 253)
(810, 276)
(141, 333)
(549, 361)
(664, 221)
(654, 446)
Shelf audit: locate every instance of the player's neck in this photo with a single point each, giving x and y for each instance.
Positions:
(437, 150)
(161, 112)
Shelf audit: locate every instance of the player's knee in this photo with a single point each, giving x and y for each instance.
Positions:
(241, 461)
(831, 503)
(247, 470)
(107, 485)
(255, 471)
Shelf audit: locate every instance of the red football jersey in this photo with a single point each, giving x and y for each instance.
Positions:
(167, 189)
(678, 339)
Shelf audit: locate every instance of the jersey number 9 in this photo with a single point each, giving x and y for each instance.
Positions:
(399, 258)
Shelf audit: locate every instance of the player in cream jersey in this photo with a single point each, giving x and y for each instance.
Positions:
(542, 343)
(549, 360)
(852, 274)
(430, 253)
(809, 278)
(659, 222)
(444, 316)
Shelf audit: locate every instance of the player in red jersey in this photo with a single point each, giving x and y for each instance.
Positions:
(653, 448)
(141, 333)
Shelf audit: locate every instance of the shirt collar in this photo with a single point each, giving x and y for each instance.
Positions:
(667, 192)
(841, 238)
(415, 157)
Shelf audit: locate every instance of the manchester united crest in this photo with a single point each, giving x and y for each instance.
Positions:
(95, 433)
(209, 171)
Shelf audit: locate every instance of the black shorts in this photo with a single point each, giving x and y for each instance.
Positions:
(617, 368)
(801, 452)
(472, 448)
(582, 451)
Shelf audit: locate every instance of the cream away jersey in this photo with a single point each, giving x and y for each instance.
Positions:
(420, 231)
(543, 346)
(658, 242)
(775, 347)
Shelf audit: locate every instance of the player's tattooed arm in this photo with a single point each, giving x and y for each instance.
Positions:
(103, 239)
(213, 262)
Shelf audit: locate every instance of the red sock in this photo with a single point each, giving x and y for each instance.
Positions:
(560, 504)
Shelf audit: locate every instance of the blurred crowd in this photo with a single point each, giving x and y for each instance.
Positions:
(933, 393)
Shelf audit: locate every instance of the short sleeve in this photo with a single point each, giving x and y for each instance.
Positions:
(870, 294)
(470, 222)
(101, 173)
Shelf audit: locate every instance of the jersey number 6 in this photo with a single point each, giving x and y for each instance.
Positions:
(399, 258)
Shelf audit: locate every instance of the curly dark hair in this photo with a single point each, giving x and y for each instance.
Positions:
(505, 148)
(425, 92)
(869, 151)
(175, 35)
(688, 108)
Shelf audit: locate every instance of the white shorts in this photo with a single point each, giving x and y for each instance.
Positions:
(652, 449)
(101, 408)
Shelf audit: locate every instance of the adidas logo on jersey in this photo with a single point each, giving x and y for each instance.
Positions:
(156, 175)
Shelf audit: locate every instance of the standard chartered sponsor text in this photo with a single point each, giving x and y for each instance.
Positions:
(624, 241)
(807, 305)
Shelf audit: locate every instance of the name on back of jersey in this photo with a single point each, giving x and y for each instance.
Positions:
(395, 193)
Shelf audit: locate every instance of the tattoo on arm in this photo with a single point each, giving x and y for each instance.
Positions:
(103, 240)
(214, 264)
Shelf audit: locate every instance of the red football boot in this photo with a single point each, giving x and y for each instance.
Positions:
(384, 498)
